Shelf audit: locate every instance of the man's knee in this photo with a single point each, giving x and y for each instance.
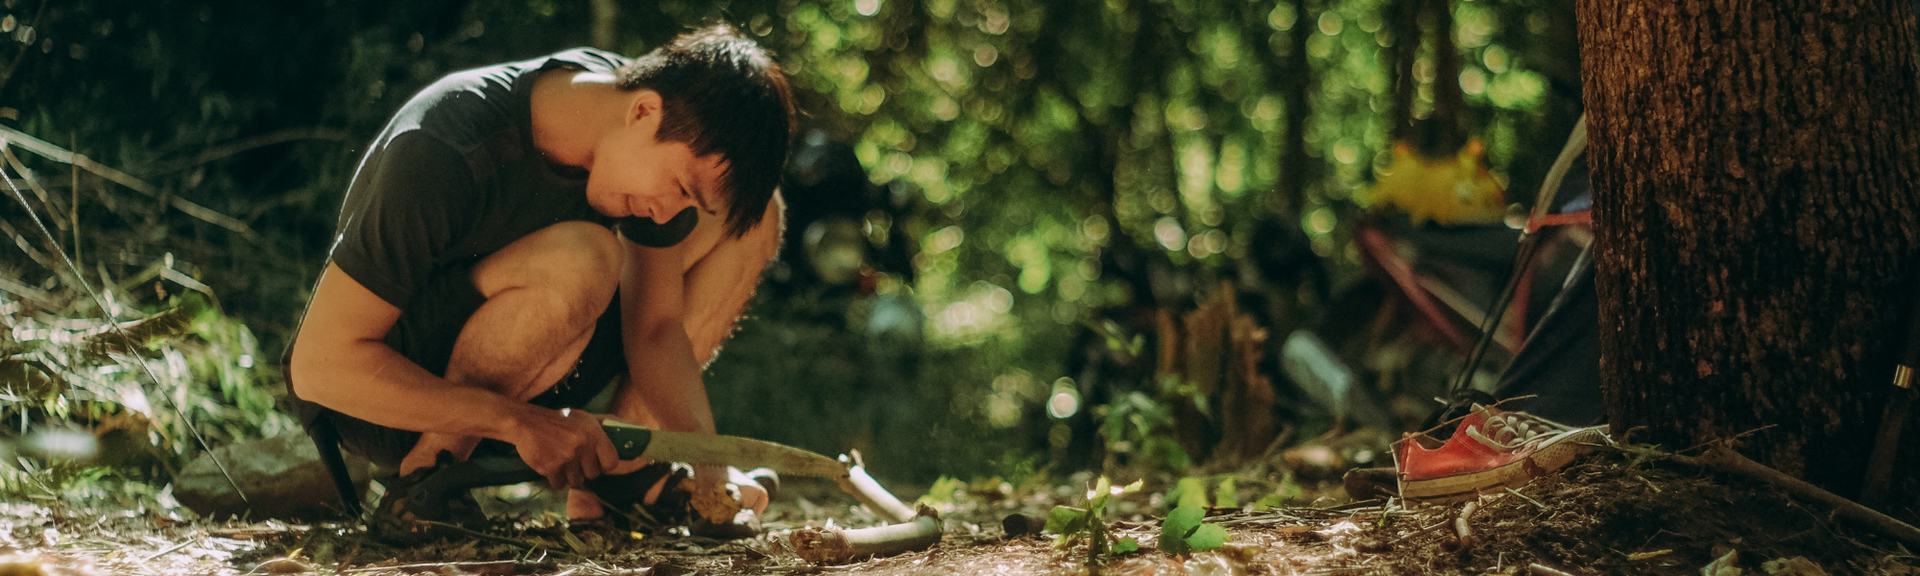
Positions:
(577, 264)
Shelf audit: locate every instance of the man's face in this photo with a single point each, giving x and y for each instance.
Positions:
(635, 174)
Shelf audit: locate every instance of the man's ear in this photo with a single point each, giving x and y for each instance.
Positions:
(644, 108)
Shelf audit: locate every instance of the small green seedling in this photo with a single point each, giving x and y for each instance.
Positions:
(1072, 525)
(1184, 530)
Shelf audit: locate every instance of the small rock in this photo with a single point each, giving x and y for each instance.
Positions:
(282, 476)
(1795, 566)
(283, 565)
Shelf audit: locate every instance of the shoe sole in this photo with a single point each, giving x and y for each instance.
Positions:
(1465, 486)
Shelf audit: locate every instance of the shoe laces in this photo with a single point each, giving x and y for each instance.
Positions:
(1508, 431)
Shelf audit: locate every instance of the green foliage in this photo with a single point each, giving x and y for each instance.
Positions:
(943, 491)
(1143, 426)
(1184, 531)
(1072, 525)
(142, 392)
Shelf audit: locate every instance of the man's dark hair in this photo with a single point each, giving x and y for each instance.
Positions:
(724, 94)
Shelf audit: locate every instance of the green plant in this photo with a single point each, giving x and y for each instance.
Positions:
(1072, 525)
(143, 391)
(1143, 426)
(1184, 530)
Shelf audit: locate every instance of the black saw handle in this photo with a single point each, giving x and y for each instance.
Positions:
(429, 497)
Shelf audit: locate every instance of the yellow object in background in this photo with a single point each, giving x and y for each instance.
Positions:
(1457, 190)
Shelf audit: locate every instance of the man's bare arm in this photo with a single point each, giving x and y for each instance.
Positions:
(719, 285)
(675, 314)
(664, 377)
(341, 361)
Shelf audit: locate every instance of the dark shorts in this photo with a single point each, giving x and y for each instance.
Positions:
(425, 334)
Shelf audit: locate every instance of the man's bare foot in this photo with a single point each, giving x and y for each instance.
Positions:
(427, 451)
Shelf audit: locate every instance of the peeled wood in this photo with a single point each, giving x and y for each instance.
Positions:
(832, 545)
(864, 488)
(914, 531)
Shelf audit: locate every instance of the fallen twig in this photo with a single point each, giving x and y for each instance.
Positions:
(424, 565)
(81, 161)
(1724, 459)
(1536, 503)
(169, 550)
(831, 545)
(1410, 535)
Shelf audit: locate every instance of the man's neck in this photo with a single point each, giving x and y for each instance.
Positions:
(572, 110)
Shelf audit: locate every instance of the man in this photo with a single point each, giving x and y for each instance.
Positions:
(520, 235)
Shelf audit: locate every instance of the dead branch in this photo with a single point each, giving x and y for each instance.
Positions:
(1722, 458)
(250, 143)
(830, 545)
(81, 161)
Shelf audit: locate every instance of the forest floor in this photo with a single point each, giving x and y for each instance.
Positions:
(1608, 513)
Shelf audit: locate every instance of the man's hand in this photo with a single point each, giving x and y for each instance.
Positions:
(566, 446)
(426, 452)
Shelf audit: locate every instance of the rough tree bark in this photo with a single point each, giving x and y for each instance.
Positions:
(1754, 168)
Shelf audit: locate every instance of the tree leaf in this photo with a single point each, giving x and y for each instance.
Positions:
(1126, 546)
(1207, 537)
(1064, 520)
(1179, 523)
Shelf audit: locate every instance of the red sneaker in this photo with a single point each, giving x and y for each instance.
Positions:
(1490, 450)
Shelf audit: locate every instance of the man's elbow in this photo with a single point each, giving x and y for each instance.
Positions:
(307, 372)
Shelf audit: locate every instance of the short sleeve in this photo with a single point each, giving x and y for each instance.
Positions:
(404, 210)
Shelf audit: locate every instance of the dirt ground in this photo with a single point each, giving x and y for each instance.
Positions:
(1609, 513)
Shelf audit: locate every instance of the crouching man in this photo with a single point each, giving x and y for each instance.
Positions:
(524, 238)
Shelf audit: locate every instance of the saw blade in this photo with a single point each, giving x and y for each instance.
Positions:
(743, 453)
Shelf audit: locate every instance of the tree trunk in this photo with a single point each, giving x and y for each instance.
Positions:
(1754, 207)
(606, 31)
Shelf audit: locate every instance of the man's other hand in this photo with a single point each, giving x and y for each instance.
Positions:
(566, 446)
(426, 452)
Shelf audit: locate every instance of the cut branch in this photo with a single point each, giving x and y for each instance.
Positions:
(832, 545)
(864, 488)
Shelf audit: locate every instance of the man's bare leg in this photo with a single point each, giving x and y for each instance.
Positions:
(544, 292)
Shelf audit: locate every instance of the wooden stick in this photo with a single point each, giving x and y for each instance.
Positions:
(864, 488)
(1723, 459)
(832, 545)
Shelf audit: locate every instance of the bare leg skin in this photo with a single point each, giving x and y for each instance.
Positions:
(544, 294)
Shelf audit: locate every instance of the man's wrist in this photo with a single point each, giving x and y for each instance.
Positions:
(510, 423)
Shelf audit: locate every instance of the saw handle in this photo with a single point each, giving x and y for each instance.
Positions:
(433, 492)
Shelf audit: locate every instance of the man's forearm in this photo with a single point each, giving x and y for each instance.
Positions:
(667, 380)
(372, 382)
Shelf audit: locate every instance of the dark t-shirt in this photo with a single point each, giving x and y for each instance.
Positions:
(455, 177)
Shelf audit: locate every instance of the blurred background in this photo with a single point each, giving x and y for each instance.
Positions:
(1024, 237)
